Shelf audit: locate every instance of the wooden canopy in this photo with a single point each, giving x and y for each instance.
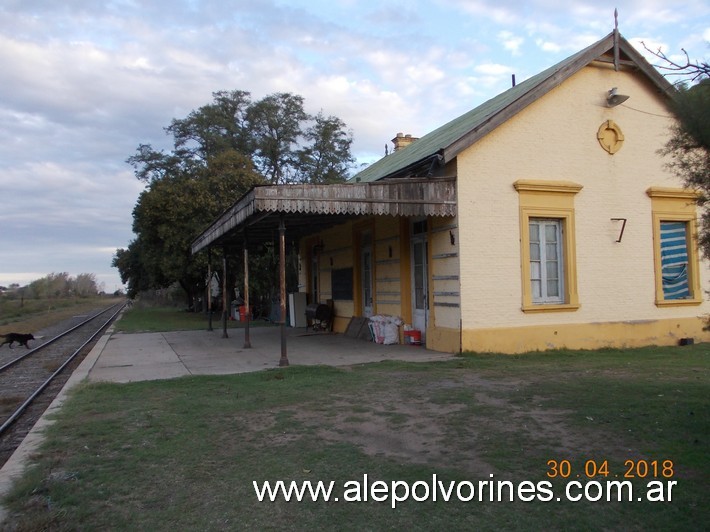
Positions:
(306, 209)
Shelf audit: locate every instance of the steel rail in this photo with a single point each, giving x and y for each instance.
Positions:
(48, 342)
(18, 412)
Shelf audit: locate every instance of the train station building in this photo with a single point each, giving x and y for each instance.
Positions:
(544, 218)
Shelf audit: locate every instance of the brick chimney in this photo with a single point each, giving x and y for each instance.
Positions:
(402, 141)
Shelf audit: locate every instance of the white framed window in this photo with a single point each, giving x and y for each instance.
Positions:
(547, 245)
(546, 261)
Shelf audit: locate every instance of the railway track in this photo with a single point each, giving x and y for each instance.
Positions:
(31, 379)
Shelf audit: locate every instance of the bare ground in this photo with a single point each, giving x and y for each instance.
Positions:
(432, 429)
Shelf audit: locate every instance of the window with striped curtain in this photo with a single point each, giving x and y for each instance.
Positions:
(674, 260)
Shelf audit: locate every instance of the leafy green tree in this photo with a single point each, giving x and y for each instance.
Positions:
(54, 285)
(57, 285)
(150, 165)
(326, 158)
(214, 128)
(85, 285)
(220, 151)
(170, 213)
(276, 123)
(132, 266)
(284, 143)
(688, 149)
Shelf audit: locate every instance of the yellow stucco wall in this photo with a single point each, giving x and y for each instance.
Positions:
(341, 249)
(337, 253)
(443, 330)
(632, 333)
(555, 139)
(387, 266)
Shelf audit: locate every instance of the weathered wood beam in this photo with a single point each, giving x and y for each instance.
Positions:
(282, 284)
(247, 310)
(225, 308)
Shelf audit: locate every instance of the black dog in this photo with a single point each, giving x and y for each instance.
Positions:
(22, 339)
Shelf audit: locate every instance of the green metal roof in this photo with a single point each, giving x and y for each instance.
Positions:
(451, 138)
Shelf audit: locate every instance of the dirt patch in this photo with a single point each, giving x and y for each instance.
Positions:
(436, 429)
(460, 421)
(420, 430)
(414, 432)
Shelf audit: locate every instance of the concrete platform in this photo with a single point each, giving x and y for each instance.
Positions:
(147, 356)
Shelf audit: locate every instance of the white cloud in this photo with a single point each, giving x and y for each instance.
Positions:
(500, 12)
(85, 82)
(21, 278)
(547, 46)
(511, 42)
(492, 69)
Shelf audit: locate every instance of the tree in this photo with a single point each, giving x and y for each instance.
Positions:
(276, 123)
(131, 265)
(53, 285)
(326, 158)
(170, 213)
(203, 134)
(150, 165)
(58, 285)
(688, 149)
(214, 128)
(219, 152)
(85, 285)
(284, 143)
(687, 71)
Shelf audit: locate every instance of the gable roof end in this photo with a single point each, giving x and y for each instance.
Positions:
(446, 142)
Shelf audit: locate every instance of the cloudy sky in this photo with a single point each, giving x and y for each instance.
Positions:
(84, 82)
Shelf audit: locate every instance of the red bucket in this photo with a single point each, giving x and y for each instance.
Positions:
(413, 337)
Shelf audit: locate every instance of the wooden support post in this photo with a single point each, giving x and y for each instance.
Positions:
(282, 283)
(209, 289)
(225, 302)
(247, 310)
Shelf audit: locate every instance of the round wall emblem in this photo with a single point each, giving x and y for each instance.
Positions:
(610, 137)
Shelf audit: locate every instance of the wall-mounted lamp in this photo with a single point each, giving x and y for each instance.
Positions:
(613, 98)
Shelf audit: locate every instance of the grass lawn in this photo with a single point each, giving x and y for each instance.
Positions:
(158, 319)
(183, 454)
(34, 314)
